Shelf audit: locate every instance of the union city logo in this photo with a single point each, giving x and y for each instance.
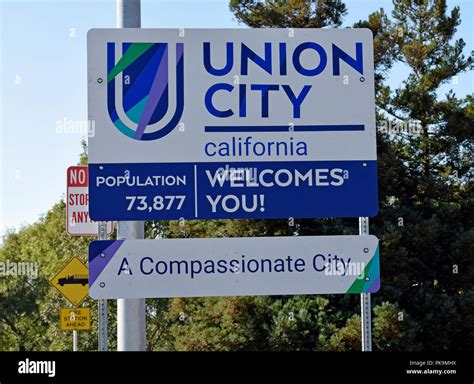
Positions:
(141, 103)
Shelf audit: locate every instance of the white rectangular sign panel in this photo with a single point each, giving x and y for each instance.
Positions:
(233, 266)
(231, 123)
(78, 221)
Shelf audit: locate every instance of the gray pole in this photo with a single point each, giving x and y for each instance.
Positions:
(128, 14)
(102, 305)
(365, 307)
(74, 341)
(131, 326)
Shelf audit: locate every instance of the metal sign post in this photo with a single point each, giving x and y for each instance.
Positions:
(103, 325)
(131, 323)
(102, 305)
(365, 307)
(74, 341)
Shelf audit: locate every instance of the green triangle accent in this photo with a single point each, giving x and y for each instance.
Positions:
(133, 52)
(359, 283)
(136, 111)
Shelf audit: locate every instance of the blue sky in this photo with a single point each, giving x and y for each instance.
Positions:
(43, 84)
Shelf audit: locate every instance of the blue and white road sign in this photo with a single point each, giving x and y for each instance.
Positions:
(233, 266)
(231, 123)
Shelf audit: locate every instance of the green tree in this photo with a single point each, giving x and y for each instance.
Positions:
(393, 329)
(289, 13)
(426, 225)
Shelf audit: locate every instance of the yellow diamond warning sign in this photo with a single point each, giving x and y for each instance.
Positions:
(72, 281)
(75, 319)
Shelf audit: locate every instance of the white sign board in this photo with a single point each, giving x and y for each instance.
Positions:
(78, 221)
(228, 123)
(233, 266)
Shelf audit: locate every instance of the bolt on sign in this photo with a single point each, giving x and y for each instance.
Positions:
(78, 221)
(72, 281)
(231, 123)
(75, 319)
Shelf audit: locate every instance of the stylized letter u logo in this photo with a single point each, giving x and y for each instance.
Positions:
(138, 92)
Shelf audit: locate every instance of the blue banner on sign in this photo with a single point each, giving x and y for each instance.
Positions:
(230, 190)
